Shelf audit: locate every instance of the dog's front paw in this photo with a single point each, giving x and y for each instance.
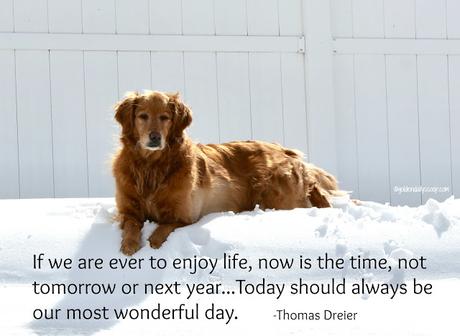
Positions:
(156, 240)
(161, 233)
(130, 246)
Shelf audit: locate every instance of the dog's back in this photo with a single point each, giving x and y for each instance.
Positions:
(266, 174)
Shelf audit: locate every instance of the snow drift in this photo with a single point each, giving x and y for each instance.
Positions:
(84, 228)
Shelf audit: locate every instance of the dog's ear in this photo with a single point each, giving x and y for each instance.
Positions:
(124, 111)
(182, 115)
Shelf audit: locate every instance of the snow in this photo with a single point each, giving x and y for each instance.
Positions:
(84, 228)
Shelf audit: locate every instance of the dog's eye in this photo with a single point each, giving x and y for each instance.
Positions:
(164, 117)
(143, 116)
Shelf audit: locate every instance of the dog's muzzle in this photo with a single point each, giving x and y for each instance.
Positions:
(154, 140)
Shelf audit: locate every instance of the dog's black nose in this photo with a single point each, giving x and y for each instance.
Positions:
(155, 139)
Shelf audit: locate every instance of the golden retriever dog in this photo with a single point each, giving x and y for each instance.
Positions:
(163, 176)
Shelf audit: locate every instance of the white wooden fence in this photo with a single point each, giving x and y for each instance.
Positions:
(369, 89)
(397, 96)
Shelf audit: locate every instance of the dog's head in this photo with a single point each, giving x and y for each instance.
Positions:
(152, 120)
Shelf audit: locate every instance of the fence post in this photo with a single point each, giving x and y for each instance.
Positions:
(322, 149)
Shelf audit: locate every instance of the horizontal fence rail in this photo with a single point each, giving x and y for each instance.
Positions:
(126, 42)
(396, 46)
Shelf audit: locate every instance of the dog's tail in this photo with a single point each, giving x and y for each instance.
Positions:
(321, 186)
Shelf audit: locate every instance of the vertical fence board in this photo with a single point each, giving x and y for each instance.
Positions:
(168, 72)
(65, 16)
(400, 18)
(166, 17)
(132, 16)
(101, 92)
(234, 99)
(372, 127)
(322, 146)
(430, 19)
(201, 95)
(347, 157)
(9, 173)
(198, 17)
(99, 16)
(134, 73)
(342, 18)
(368, 18)
(6, 16)
(290, 17)
(266, 99)
(434, 124)
(263, 17)
(454, 85)
(30, 16)
(34, 124)
(69, 127)
(294, 109)
(453, 22)
(231, 17)
(403, 133)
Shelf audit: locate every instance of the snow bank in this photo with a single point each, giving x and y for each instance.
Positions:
(77, 228)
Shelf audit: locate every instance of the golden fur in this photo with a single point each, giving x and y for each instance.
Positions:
(175, 181)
